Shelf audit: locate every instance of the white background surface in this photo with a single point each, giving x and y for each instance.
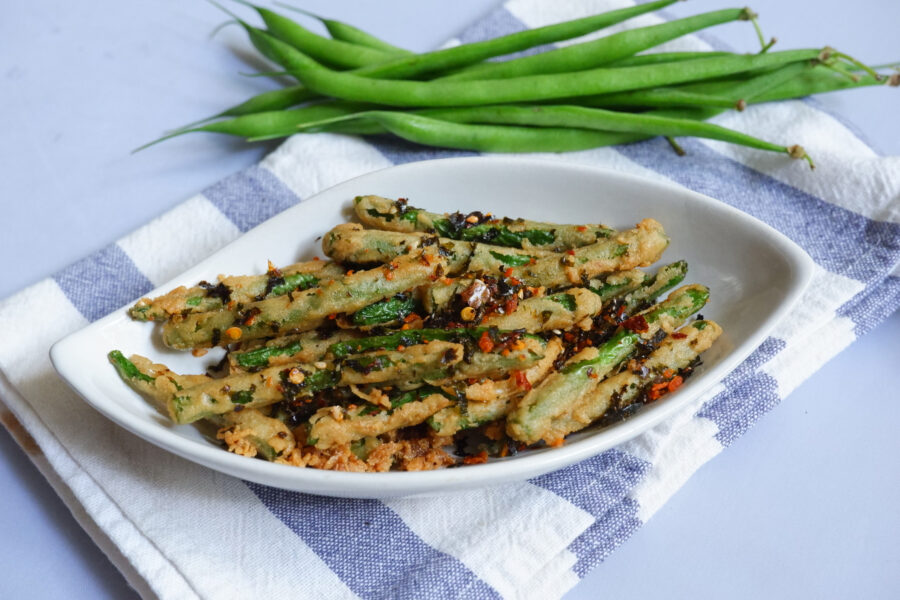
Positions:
(804, 505)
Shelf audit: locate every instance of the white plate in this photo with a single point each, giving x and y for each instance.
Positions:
(755, 275)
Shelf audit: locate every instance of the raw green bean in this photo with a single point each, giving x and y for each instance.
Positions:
(468, 54)
(518, 89)
(487, 138)
(657, 98)
(664, 57)
(606, 120)
(270, 124)
(348, 33)
(336, 53)
(597, 52)
(458, 56)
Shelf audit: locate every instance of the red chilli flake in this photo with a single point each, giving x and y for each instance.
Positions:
(478, 459)
(570, 252)
(507, 272)
(522, 380)
(510, 305)
(581, 228)
(637, 324)
(485, 343)
(679, 336)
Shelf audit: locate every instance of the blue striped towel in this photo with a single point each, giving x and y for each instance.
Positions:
(178, 530)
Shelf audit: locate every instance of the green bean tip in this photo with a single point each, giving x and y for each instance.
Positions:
(797, 151)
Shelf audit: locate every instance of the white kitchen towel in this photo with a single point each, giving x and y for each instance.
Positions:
(179, 531)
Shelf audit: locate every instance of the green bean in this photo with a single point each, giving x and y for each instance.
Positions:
(458, 56)
(660, 373)
(546, 313)
(307, 347)
(487, 138)
(394, 215)
(266, 125)
(304, 310)
(664, 57)
(597, 52)
(241, 289)
(468, 54)
(617, 284)
(606, 120)
(349, 242)
(328, 51)
(518, 89)
(327, 429)
(562, 391)
(666, 278)
(657, 98)
(349, 33)
(411, 337)
(392, 310)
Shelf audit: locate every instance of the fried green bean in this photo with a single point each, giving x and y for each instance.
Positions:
(307, 347)
(492, 399)
(661, 372)
(336, 425)
(666, 278)
(556, 396)
(240, 290)
(301, 311)
(350, 243)
(617, 284)
(557, 311)
(636, 247)
(249, 432)
(396, 215)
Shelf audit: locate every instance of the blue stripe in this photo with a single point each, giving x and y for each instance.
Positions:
(500, 22)
(873, 305)
(102, 282)
(748, 395)
(251, 196)
(839, 240)
(370, 548)
(400, 152)
(600, 486)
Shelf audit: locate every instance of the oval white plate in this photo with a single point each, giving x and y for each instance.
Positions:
(755, 275)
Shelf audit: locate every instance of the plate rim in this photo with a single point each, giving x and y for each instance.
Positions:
(393, 484)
